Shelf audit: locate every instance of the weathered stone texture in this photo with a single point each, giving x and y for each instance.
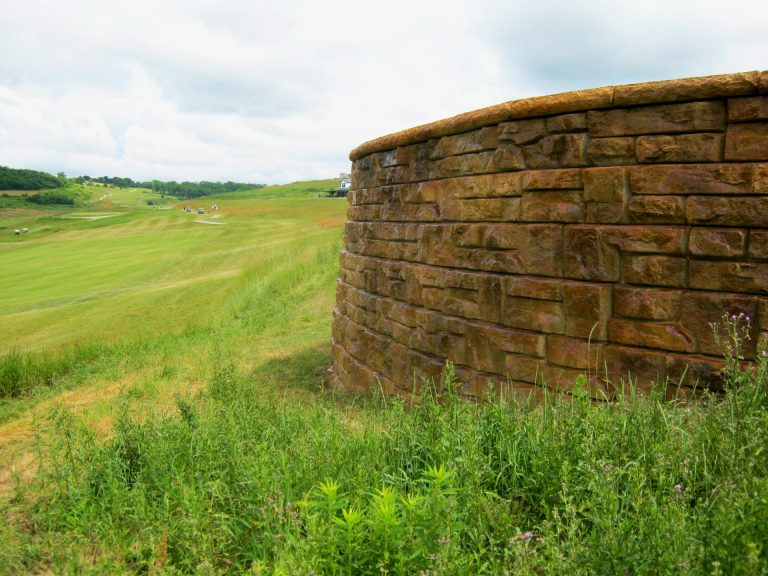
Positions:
(598, 234)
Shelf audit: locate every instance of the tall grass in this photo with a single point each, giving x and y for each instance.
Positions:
(242, 480)
(22, 372)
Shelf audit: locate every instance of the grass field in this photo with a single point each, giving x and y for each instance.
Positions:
(163, 411)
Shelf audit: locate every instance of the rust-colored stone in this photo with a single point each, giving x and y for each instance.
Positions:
(589, 256)
(605, 185)
(532, 287)
(629, 366)
(684, 148)
(557, 151)
(666, 119)
(522, 131)
(538, 315)
(654, 270)
(725, 85)
(657, 210)
(694, 371)
(720, 242)
(567, 123)
(647, 303)
(648, 239)
(508, 158)
(574, 353)
(747, 142)
(587, 307)
(568, 179)
(661, 335)
(747, 109)
(475, 141)
(552, 206)
(719, 179)
(725, 211)
(702, 310)
(729, 276)
(758, 244)
(611, 151)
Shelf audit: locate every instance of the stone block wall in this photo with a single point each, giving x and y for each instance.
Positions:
(597, 232)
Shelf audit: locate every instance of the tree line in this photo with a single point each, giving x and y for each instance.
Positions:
(173, 188)
(23, 179)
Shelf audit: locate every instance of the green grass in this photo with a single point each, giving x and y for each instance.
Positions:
(170, 418)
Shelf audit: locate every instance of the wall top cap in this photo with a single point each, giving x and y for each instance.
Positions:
(681, 90)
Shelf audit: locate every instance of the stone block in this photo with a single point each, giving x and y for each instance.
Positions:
(557, 150)
(487, 346)
(647, 303)
(747, 142)
(651, 334)
(552, 206)
(703, 309)
(464, 165)
(637, 365)
(725, 211)
(523, 368)
(718, 179)
(588, 255)
(522, 131)
(603, 213)
(568, 179)
(747, 109)
(587, 308)
(508, 157)
(606, 194)
(532, 287)
(729, 276)
(664, 119)
(605, 185)
(536, 315)
(475, 141)
(657, 210)
(611, 151)
(694, 371)
(705, 147)
(574, 353)
(654, 270)
(718, 242)
(763, 82)
(647, 239)
(480, 209)
(758, 244)
(720, 86)
(575, 122)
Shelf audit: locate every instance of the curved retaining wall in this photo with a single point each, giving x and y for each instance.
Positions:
(597, 232)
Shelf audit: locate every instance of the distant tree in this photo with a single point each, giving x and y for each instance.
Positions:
(22, 179)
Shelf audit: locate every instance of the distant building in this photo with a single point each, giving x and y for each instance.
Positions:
(345, 184)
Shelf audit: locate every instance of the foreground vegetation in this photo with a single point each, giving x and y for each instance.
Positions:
(209, 445)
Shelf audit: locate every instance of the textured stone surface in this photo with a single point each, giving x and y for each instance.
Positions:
(667, 119)
(747, 141)
(599, 234)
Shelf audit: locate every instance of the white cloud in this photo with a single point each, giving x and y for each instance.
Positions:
(270, 92)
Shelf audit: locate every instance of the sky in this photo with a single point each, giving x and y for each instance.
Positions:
(270, 92)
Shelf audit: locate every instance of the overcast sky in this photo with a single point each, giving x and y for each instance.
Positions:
(267, 91)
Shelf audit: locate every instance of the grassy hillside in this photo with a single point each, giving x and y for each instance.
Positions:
(164, 413)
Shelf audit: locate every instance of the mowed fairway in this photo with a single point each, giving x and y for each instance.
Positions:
(158, 297)
(144, 270)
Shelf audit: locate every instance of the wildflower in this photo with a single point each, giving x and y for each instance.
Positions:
(685, 463)
(526, 536)
(678, 487)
